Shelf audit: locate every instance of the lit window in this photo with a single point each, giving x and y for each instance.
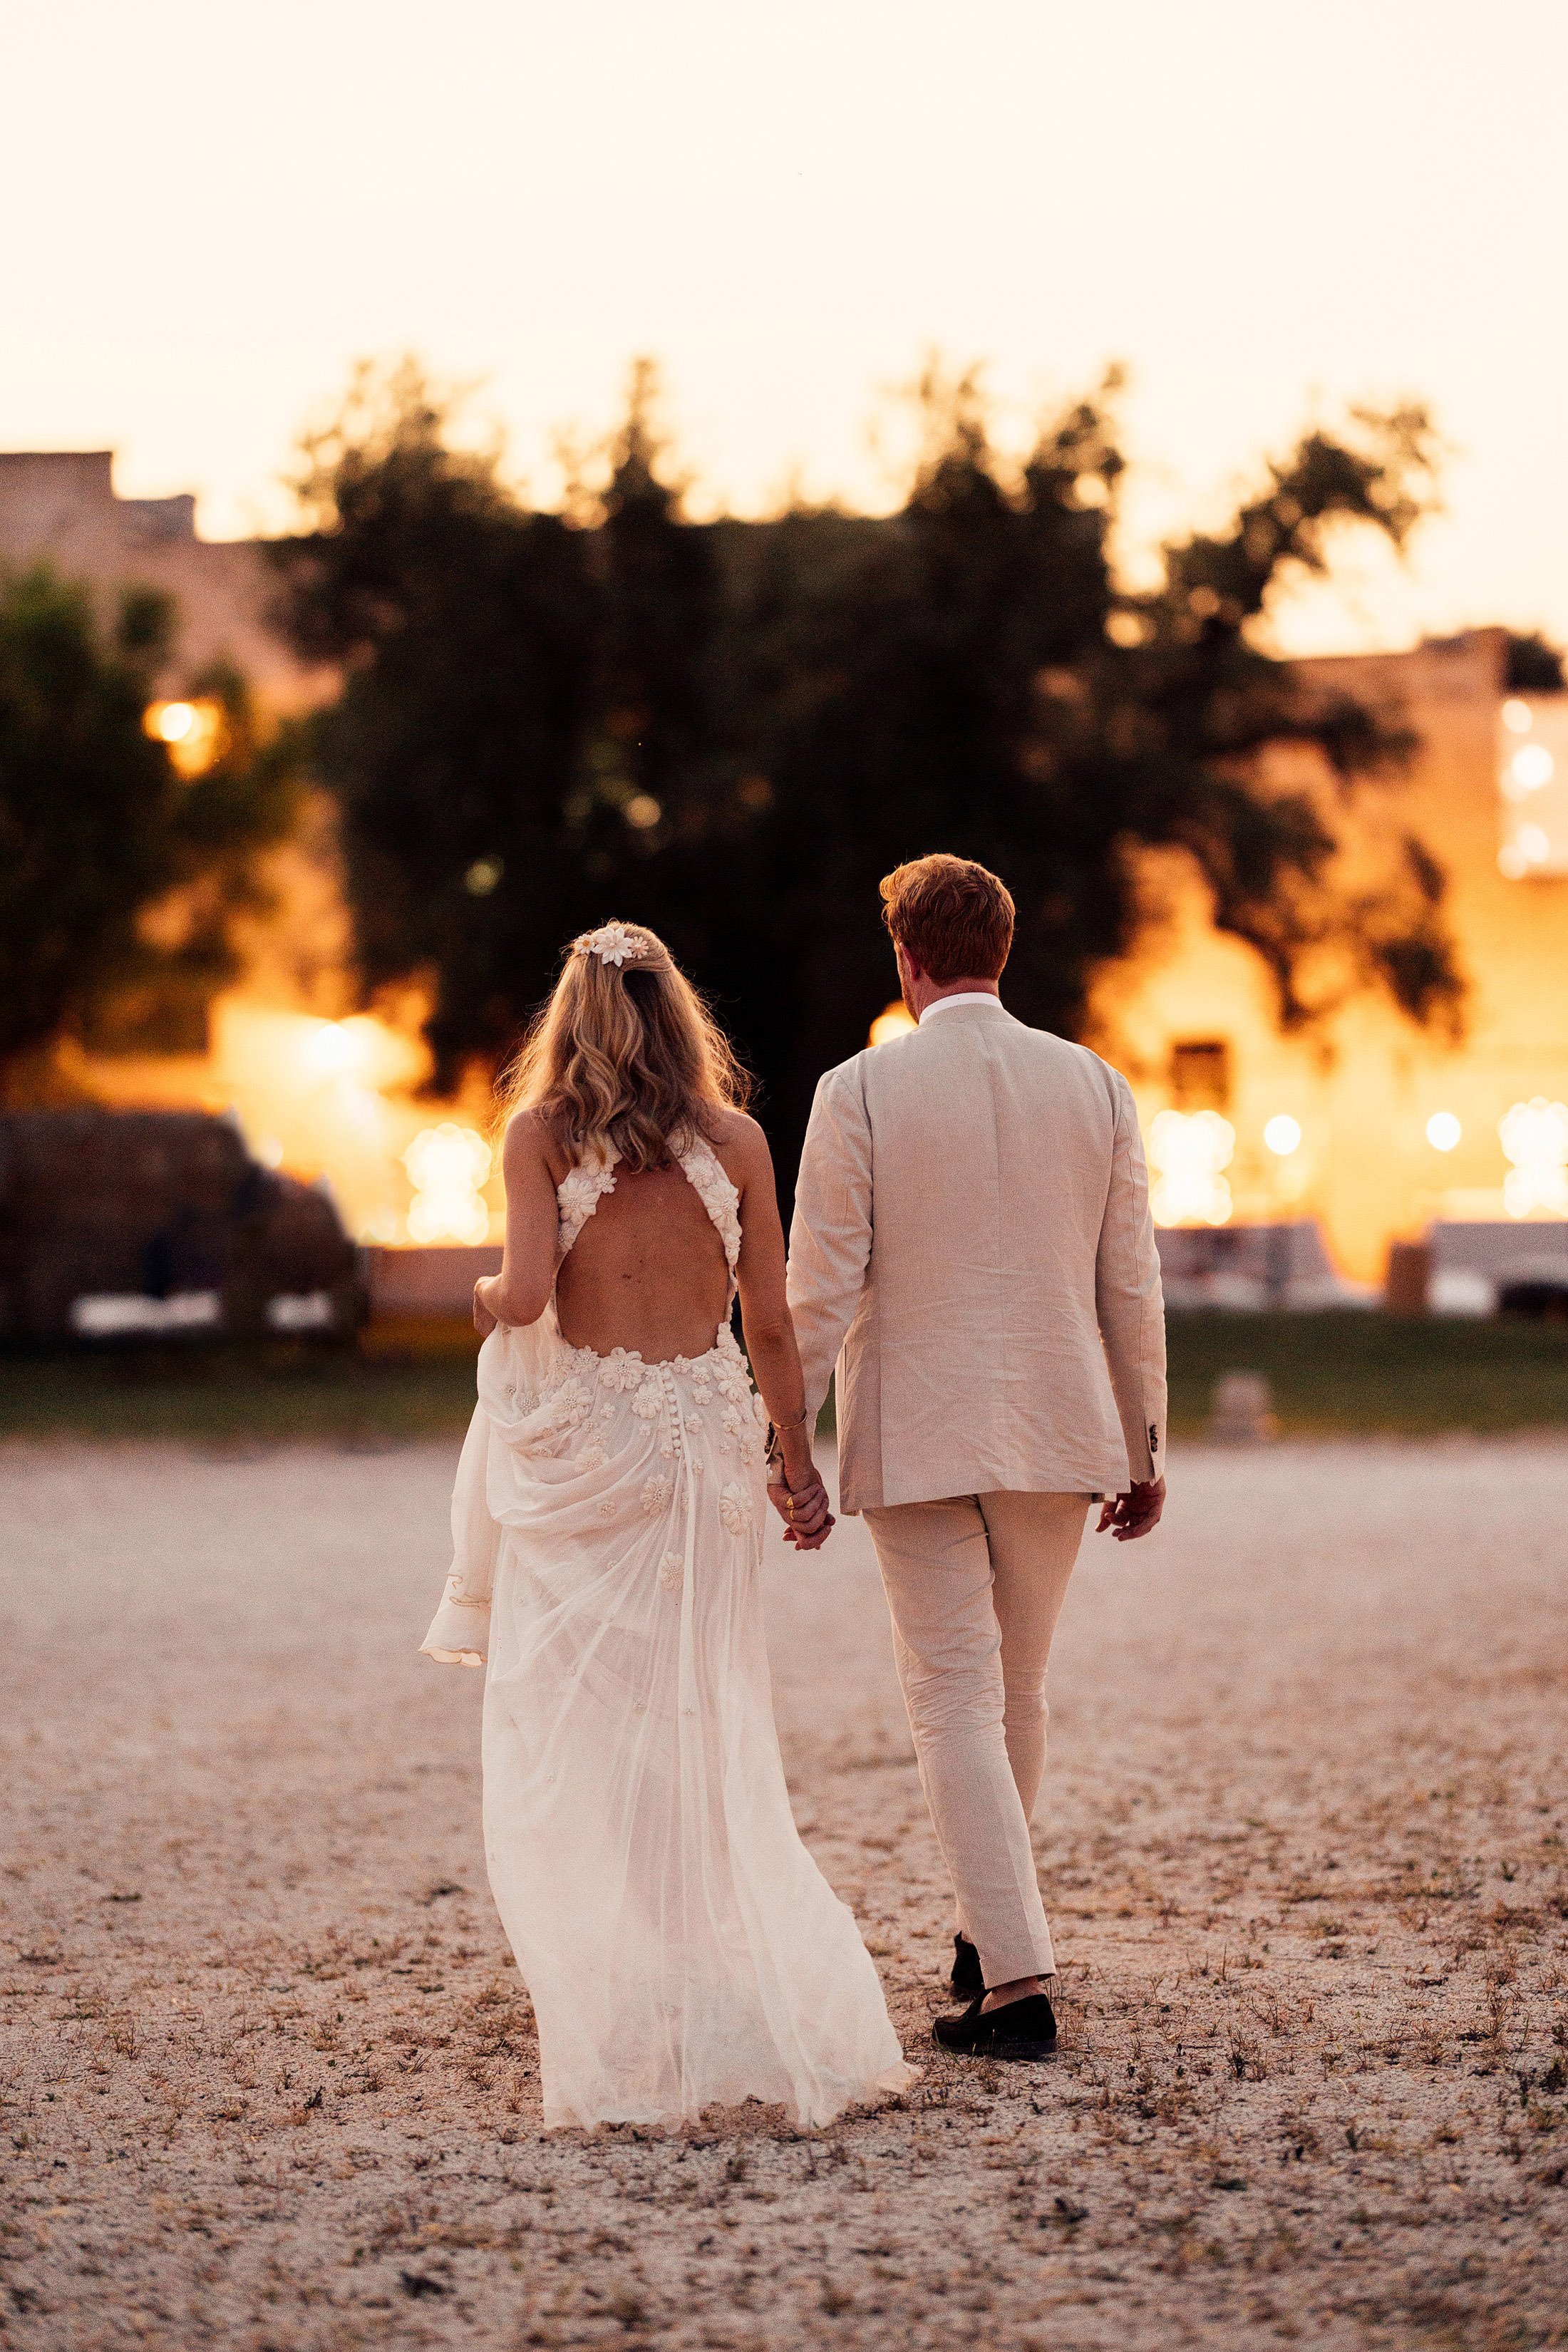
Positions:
(1533, 783)
(1200, 1074)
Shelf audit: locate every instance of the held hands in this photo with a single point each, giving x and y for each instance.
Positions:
(1135, 1513)
(798, 1494)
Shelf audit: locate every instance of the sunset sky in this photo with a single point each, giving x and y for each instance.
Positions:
(1260, 205)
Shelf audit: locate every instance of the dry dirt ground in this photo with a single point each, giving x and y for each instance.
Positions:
(269, 2079)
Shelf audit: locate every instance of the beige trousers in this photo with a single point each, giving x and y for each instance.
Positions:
(976, 1586)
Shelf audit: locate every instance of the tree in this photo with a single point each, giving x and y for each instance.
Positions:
(100, 834)
(968, 675)
(732, 730)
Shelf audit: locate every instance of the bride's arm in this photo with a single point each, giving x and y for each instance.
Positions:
(770, 1333)
(521, 1291)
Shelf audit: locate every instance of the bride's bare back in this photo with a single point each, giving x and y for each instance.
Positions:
(646, 1272)
(644, 1266)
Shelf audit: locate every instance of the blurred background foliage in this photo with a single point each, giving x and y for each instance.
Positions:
(731, 729)
(120, 876)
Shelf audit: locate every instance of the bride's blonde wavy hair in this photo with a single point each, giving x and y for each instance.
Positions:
(625, 1054)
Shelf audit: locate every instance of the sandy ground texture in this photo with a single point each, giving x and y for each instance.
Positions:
(269, 2079)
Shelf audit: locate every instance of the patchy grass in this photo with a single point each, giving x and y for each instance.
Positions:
(404, 1381)
(1332, 1375)
(1346, 1373)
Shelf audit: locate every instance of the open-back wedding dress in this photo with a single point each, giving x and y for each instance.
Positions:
(680, 1947)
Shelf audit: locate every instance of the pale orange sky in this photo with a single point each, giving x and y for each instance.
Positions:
(211, 212)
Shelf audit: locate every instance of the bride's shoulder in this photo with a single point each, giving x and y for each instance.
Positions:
(739, 1145)
(530, 1142)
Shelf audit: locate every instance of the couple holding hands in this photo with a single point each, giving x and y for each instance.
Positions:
(972, 1249)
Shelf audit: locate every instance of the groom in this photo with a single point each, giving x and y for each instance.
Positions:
(972, 1246)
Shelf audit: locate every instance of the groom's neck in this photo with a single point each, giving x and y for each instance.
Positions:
(921, 990)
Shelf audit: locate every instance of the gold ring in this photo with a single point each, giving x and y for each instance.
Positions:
(789, 1511)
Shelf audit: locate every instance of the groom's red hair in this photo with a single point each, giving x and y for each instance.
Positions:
(953, 917)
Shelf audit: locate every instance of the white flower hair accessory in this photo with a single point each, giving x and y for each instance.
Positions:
(613, 943)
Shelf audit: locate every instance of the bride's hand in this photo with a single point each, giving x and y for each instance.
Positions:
(800, 1498)
(484, 1321)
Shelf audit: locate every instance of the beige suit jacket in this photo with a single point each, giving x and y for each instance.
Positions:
(972, 1244)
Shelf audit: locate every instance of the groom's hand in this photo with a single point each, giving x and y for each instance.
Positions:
(1134, 1513)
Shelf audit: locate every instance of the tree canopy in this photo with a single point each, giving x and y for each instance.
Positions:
(731, 731)
(98, 830)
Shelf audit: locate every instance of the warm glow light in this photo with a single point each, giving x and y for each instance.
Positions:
(1532, 766)
(482, 876)
(1516, 715)
(1442, 1131)
(331, 1049)
(447, 1165)
(191, 732)
(894, 1021)
(1534, 1136)
(1282, 1135)
(642, 811)
(1189, 1149)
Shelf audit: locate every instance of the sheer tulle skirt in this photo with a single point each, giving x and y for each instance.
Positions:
(680, 1945)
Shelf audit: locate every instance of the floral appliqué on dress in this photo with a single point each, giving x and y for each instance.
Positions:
(735, 1507)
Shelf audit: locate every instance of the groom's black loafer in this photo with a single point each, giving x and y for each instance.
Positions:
(967, 1978)
(1020, 2029)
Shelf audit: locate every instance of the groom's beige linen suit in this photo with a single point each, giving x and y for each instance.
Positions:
(972, 1246)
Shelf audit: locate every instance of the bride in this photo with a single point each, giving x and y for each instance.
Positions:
(680, 1947)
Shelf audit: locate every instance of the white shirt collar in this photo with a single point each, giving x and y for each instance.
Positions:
(963, 996)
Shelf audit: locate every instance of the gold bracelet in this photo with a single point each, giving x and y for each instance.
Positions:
(779, 1429)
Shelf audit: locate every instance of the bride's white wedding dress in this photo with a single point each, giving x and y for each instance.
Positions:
(680, 1947)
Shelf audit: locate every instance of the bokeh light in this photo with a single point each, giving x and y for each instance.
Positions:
(446, 1166)
(1283, 1134)
(1442, 1131)
(193, 734)
(331, 1049)
(895, 1019)
(1534, 1136)
(1189, 1150)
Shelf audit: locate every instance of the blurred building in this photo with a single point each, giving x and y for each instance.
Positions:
(1367, 1126)
(1373, 1127)
(60, 507)
(316, 1087)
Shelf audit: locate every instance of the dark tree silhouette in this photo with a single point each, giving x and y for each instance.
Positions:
(99, 831)
(732, 730)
